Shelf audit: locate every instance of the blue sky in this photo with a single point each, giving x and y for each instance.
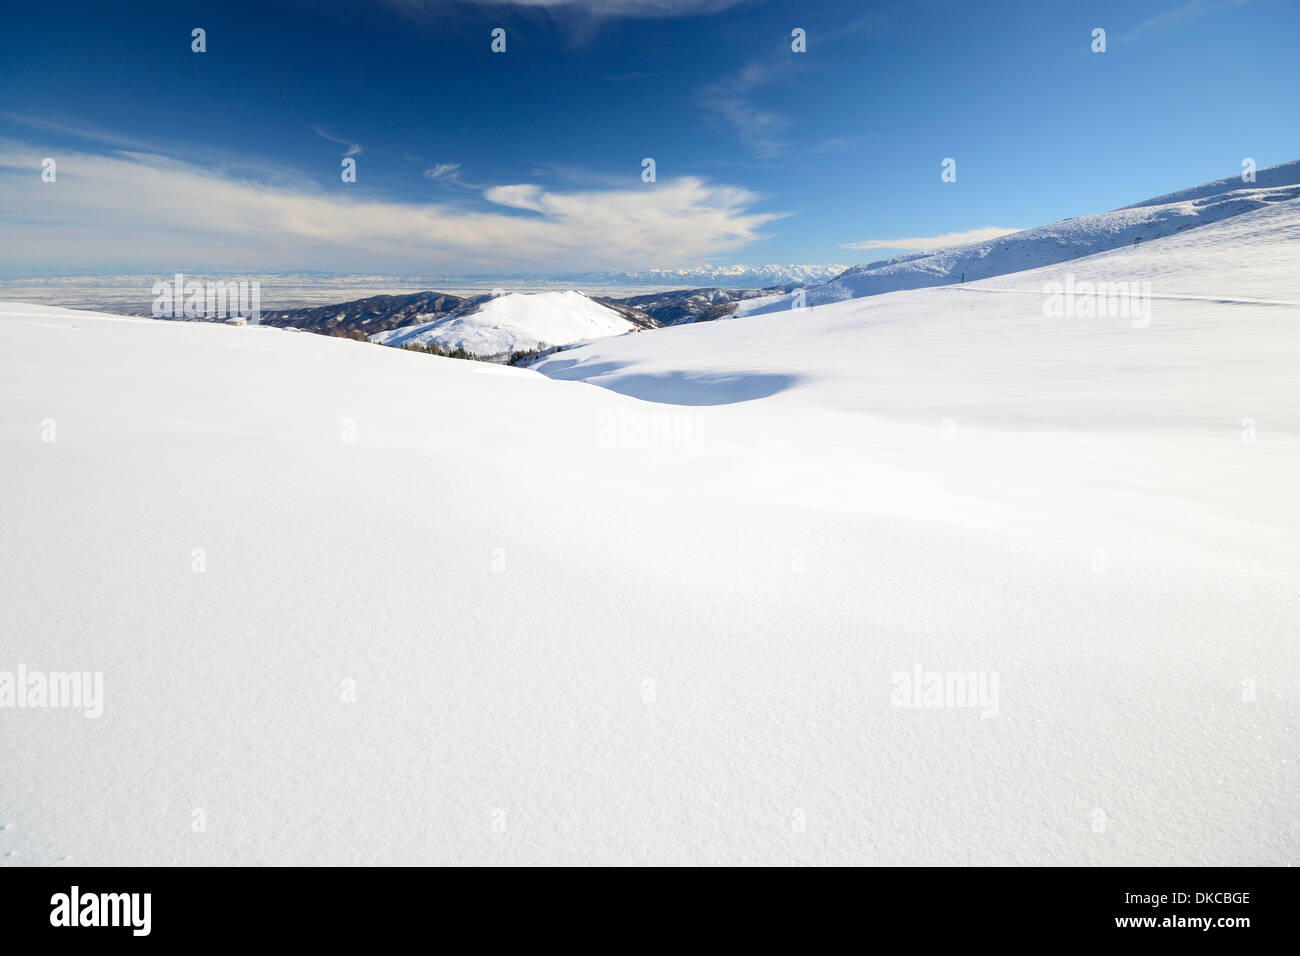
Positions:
(530, 160)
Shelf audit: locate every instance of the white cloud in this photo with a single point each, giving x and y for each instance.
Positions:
(930, 243)
(522, 196)
(146, 212)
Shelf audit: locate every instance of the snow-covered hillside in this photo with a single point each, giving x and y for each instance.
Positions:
(1059, 242)
(515, 322)
(360, 605)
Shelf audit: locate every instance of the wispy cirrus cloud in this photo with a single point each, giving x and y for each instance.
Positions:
(450, 174)
(443, 171)
(1179, 16)
(734, 100)
(640, 9)
(215, 158)
(741, 100)
(354, 149)
(930, 243)
(78, 130)
(146, 212)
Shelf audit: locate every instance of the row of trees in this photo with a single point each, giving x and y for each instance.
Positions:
(431, 349)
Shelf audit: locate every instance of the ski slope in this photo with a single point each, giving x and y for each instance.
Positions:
(657, 604)
(514, 322)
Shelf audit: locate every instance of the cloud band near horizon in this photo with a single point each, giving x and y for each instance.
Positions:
(147, 212)
(930, 243)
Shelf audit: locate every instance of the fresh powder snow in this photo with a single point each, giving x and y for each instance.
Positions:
(674, 597)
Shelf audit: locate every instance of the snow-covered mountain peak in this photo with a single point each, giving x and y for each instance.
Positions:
(514, 321)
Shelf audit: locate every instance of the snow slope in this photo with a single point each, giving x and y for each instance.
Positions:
(461, 613)
(1059, 242)
(513, 322)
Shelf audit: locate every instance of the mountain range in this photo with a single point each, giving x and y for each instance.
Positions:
(524, 321)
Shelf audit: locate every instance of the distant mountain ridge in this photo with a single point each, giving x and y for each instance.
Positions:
(732, 277)
(376, 313)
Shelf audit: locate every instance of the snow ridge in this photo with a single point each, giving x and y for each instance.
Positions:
(1047, 245)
